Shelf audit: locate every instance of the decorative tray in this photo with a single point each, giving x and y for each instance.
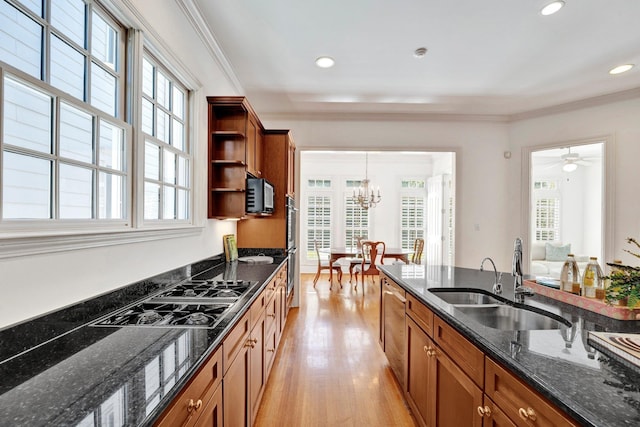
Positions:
(597, 306)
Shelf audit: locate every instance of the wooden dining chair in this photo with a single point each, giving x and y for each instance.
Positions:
(323, 264)
(418, 248)
(372, 256)
(357, 260)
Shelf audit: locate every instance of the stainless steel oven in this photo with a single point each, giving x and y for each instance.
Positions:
(292, 247)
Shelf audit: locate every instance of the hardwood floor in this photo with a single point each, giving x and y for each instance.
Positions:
(330, 369)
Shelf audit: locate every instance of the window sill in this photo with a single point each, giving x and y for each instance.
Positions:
(19, 246)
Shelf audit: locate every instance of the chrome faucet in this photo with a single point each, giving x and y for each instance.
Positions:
(519, 291)
(497, 284)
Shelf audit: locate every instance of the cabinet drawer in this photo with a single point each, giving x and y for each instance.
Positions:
(270, 347)
(518, 401)
(420, 314)
(466, 355)
(270, 290)
(187, 406)
(235, 341)
(258, 307)
(271, 314)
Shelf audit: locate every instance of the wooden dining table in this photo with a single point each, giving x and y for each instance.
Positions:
(350, 252)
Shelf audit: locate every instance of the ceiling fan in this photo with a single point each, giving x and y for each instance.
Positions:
(570, 161)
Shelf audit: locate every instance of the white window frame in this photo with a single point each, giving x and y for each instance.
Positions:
(360, 215)
(41, 237)
(316, 192)
(408, 234)
(553, 195)
(166, 146)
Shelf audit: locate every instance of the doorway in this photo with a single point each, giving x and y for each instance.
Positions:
(417, 200)
(567, 204)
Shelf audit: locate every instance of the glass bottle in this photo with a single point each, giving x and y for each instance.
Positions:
(570, 276)
(592, 281)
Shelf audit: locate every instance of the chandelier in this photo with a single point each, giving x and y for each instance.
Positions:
(366, 197)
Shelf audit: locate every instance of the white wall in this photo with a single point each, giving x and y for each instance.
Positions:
(621, 120)
(482, 179)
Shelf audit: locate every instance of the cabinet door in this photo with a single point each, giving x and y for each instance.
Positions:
(257, 365)
(211, 413)
(257, 155)
(493, 415)
(417, 380)
(187, 406)
(521, 404)
(235, 386)
(455, 396)
(250, 153)
(291, 167)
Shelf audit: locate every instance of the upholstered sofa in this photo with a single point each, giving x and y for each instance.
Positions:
(547, 259)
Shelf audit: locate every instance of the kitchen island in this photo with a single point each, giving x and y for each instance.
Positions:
(558, 364)
(59, 369)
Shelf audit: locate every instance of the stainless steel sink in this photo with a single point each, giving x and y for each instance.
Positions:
(497, 312)
(512, 318)
(464, 296)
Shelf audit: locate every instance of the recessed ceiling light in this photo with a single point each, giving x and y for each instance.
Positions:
(552, 8)
(325, 62)
(420, 52)
(621, 69)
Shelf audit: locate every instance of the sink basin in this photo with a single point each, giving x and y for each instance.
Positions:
(512, 318)
(464, 296)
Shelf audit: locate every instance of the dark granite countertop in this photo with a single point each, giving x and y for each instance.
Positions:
(58, 370)
(596, 390)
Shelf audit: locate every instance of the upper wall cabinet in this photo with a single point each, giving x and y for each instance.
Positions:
(279, 169)
(235, 149)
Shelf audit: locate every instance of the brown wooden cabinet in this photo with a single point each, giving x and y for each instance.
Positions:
(235, 384)
(417, 383)
(493, 415)
(451, 382)
(254, 146)
(248, 354)
(235, 148)
(279, 169)
(520, 403)
(200, 402)
(257, 375)
(438, 391)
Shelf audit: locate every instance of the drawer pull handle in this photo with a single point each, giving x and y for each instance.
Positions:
(271, 315)
(270, 350)
(486, 411)
(527, 414)
(194, 406)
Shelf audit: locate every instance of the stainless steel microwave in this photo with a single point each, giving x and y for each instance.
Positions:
(260, 194)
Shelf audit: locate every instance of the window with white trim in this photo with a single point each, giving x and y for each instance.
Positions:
(63, 143)
(356, 218)
(412, 211)
(546, 211)
(318, 206)
(167, 159)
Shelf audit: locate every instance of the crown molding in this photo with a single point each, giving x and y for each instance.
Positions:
(395, 117)
(199, 24)
(577, 105)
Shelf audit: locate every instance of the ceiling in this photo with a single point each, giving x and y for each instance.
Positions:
(486, 58)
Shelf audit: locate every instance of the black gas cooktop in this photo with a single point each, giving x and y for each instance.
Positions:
(191, 304)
